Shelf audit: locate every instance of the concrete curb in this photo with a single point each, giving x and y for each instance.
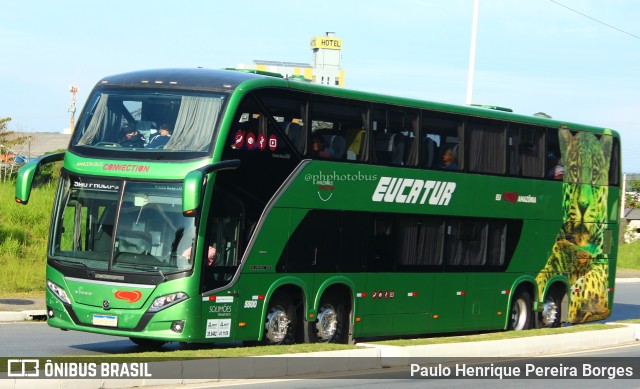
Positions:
(22, 315)
(528, 346)
(627, 280)
(370, 357)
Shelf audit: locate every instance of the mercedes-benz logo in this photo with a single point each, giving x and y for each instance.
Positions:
(105, 304)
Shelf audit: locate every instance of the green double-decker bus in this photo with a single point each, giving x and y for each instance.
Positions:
(201, 205)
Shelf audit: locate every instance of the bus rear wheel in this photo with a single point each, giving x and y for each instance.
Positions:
(331, 321)
(280, 322)
(520, 313)
(551, 311)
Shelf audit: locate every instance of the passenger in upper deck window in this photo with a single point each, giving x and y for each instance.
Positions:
(556, 170)
(449, 160)
(161, 139)
(130, 137)
(318, 148)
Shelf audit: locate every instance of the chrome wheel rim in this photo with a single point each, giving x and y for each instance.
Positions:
(549, 313)
(277, 324)
(327, 324)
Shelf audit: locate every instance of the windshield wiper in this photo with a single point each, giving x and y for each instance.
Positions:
(143, 267)
(74, 263)
(90, 272)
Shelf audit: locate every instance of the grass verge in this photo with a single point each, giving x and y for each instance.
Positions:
(210, 351)
(629, 256)
(630, 321)
(23, 239)
(498, 335)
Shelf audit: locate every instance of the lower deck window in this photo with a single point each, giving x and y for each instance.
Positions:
(342, 241)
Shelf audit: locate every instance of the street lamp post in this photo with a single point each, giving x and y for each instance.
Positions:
(472, 54)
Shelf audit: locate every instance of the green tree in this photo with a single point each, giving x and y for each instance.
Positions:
(632, 195)
(8, 140)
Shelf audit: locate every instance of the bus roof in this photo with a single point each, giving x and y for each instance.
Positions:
(195, 78)
(229, 79)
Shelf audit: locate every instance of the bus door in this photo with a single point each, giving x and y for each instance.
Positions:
(219, 263)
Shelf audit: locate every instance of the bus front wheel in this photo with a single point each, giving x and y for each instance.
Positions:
(520, 313)
(280, 322)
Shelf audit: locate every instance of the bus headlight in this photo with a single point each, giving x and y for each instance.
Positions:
(58, 291)
(168, 300)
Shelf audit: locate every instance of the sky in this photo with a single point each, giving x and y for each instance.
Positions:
(576, 60)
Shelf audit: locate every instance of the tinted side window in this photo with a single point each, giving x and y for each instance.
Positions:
(614, 166)
(526, 151)
(420, 241)
(355, 241)
(554, 156)
(496, 243)
(336, 241)
(487, 146)
(394, 132)
(256, 139)
(441, 145)
(315, 244)
(465, 243)
(338, 130)
(289, 113)
(381, 257)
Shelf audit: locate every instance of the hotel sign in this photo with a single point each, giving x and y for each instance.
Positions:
(323, 42)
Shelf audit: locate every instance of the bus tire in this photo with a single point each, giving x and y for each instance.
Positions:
(551, 315)
(148, 343)
(280, 322)
(520, 312)
(331, 324)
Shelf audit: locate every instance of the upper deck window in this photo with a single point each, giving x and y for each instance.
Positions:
(147, 121)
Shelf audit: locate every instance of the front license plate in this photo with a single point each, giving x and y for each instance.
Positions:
(105, 320)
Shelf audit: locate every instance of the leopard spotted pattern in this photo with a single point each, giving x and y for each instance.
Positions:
(578, 249)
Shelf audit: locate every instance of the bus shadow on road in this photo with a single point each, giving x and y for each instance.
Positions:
(125, 346)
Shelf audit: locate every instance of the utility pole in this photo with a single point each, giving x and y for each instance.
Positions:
(472, 53)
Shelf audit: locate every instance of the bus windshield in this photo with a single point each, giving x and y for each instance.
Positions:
(122, 226)
(148, 121)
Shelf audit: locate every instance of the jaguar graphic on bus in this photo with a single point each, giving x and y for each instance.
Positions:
(200, 205)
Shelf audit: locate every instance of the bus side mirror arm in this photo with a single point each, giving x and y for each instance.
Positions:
(24, 180)
(192, 185)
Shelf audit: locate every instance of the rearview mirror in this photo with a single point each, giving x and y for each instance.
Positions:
(193, 182)
(24, 180)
